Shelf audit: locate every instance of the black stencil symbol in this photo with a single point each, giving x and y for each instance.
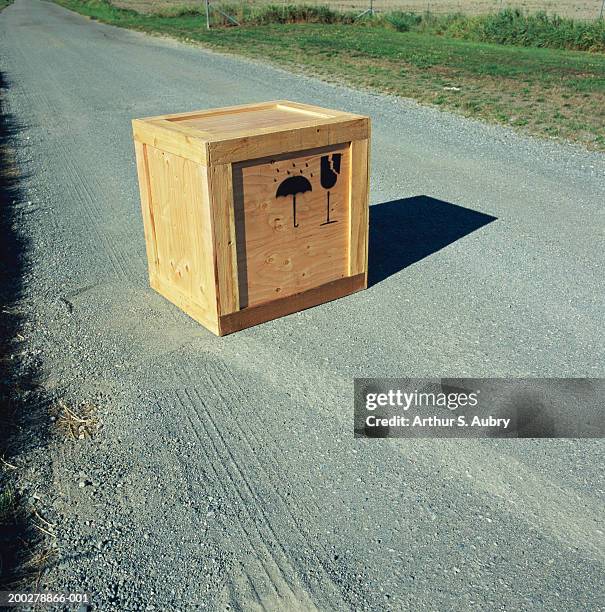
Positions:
(329, 171)
(292, 186)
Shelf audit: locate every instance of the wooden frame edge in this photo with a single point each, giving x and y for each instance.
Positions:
(359, 210)
(323, 133)
(254, 315)
(177, 142)
(226, 110)
(151, 248)
(328, 112)
(209, 111)
(222, 214)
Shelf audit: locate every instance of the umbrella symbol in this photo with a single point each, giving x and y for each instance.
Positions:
(329, 171)
(292, 186)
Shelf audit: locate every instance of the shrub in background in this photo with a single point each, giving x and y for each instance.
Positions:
(508, 27)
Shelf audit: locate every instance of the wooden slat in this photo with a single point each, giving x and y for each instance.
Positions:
(225, 128)
(243, 108)
(278, 308)
(320, 110)
(359, 208)
(146, 209)
(188, 133)
(269, 141)
(213, 111)
(220, 188)
(170, 140)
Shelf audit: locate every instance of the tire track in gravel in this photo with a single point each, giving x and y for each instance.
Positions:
(272, 544)
(44, 107)
(226, 387)
(195, 485)
(298, 539)
(276, 584)
(284, 529)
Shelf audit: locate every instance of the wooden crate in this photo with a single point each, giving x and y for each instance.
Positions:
(254, 212)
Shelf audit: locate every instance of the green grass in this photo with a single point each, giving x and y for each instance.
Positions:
(508, 27)
(548, 92)
(5, 3)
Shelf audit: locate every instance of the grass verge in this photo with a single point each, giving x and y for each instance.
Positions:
(547, 92)
(510, 26)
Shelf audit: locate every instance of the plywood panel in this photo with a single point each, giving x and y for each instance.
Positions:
(288, 238)
(183, 231)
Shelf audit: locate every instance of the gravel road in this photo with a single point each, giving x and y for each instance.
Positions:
(225, 474)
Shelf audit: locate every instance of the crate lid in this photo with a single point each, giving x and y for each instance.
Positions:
(236, 133)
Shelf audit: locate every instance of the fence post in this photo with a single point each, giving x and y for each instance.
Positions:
(370, 11)
(218, 10)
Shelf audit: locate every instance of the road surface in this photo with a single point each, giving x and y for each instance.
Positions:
(225, 474)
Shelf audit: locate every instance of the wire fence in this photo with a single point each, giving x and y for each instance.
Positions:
(580, 9)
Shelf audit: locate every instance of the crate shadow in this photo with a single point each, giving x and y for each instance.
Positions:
(405, 231)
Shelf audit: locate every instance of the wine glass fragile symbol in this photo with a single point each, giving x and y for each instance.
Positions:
(329, 171)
